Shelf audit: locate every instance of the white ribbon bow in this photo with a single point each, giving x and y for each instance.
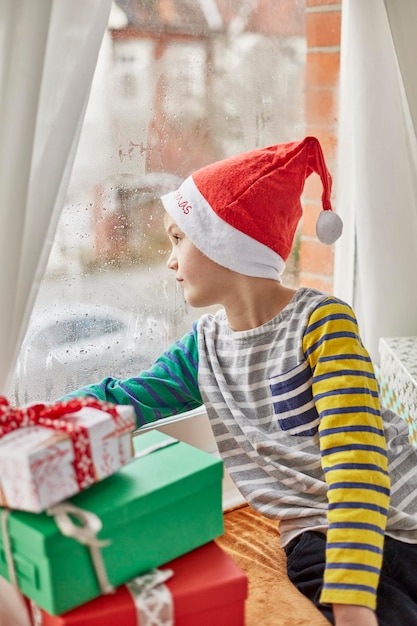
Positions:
(153, 600)
(85, 534)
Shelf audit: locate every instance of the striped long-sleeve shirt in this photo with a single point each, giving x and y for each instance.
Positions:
(295, 411)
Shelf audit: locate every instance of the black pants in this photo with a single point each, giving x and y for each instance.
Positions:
(397, 590)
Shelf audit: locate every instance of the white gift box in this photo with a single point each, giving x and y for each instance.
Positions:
(397, 376)
(37, 466)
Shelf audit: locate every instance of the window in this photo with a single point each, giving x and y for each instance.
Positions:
(178, 84)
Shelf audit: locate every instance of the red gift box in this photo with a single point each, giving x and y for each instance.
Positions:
(207, 588)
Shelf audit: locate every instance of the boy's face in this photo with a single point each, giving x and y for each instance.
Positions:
(203, 281)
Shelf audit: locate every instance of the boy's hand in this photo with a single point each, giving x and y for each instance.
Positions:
(352, 615)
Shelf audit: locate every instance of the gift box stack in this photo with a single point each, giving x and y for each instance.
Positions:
(397, 376)
(98, 527)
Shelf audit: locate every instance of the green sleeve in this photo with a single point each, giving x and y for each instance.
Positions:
(168, 388)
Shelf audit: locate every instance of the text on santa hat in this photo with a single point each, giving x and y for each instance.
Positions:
(182, 203)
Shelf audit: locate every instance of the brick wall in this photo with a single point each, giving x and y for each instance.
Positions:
(323, 21)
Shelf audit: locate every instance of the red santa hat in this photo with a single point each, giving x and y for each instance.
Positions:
(242, 212)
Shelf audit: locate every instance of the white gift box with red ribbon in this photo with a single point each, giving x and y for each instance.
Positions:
(36, 467)
(45, 460)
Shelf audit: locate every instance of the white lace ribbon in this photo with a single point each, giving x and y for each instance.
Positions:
(36, 614)
(153, 601)
(85, 534)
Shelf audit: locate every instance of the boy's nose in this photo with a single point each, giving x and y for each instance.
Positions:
(172, 262)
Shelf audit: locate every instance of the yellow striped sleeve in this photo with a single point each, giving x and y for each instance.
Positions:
(353, 452)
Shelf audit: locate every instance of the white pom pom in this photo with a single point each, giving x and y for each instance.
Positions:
(329, 227)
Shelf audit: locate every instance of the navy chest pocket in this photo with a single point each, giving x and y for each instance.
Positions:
(293, 401)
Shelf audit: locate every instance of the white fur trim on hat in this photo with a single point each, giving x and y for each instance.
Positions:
(217, 239)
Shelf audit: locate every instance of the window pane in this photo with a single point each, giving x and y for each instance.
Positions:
(178, 84)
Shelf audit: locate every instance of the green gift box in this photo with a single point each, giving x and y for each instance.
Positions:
(163, 504)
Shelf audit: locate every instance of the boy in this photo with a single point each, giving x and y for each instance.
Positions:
(288, 387)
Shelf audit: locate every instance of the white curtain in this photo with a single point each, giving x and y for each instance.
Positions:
(376, 259)
(48, 53)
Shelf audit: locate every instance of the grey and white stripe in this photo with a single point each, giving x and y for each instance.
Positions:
(273, 455)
